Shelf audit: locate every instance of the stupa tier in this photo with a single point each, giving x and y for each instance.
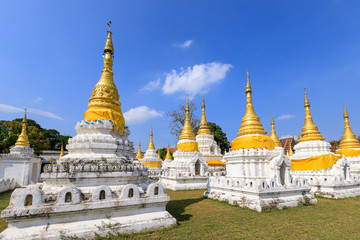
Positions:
(188, 170)
(208, 147)
(98, 182)
(329, 174)
(257, 175)
(151, 159)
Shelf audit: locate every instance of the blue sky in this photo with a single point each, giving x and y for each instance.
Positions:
(51, 58)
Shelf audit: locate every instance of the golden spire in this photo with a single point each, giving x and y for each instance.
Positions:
(310, 131)
(151, 144)
(104, 101)
(204, 128)
(62, 151)
(348, 139)
(168, 156)
(273, 135)
(23, 138)
(159, 154)
(250, 123)
(187, 131)
(290, 149)
(139, 155)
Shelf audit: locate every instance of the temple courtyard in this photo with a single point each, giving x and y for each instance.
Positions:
(202, 218)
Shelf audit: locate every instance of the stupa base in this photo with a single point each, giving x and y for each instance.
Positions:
(336, 191)
(184, 183)
(259, 195)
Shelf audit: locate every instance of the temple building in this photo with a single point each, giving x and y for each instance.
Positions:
(208, 147)
(328, 173)
(257, 173)
(188, 170)
(151, 159)
(350, 146)
(20, 167)
(99, 182)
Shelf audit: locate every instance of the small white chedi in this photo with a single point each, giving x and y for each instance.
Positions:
(168, 159)
(328, 174)
(151, 159)
(188, 170)
(208, 147)
(20, 167)
(257, 173)
(98, 185)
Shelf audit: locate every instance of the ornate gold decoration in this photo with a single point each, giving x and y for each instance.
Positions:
(250, 123)
(348, 139)
(62, 151)
(168, 156)
(23, 138)
(151, 144)
(310, 131)
(273, 135)
(187, 131)
(291, 152)
(139, 154)
(204, 128)
(104, 101)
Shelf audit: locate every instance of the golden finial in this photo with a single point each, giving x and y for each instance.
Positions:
(250, 123)
(23, 138)
(109, 24)
(62, 151)
(290, 149)
(104, 101)
(310, 131)
(151, 144)
(158, 152)
(273, 135)
(168, 156)
(348, 139)
(203, 128)
(187, 130)
(139, 154)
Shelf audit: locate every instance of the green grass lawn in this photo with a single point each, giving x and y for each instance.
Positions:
(4, 202)
(200, 218)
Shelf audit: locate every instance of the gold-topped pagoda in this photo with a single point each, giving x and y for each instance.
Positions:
(62, 151)
(139, 154)
(203, 128)
(23, 138)
(273, 135)
(151, 143)
(291, 152)
(168, 156)
(310, 131)
(348, 139)
(250, 123)
(104, 101)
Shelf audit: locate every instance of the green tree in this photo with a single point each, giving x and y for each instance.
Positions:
(177, 118)
(219, 136)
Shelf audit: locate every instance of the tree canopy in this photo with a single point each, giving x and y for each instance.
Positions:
(39, 138)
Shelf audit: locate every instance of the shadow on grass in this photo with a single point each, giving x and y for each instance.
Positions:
(177, 207)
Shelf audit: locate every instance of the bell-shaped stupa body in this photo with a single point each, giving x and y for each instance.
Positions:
(188, 170)
(151, 159)
(98, 178)
(257, 175)
(208, 146)
(20, 167)
(329, 174)
(350, 146)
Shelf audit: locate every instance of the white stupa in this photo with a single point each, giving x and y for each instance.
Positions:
(328, 173)
(188, 170)
(97, 184)
(20, 167)
(152, 160)
(257, 174)
(208, 147)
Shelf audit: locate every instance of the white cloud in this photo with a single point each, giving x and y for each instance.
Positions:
(12, 109)
(152, 85)
(185, 44)
(286, 116)
(38, 99)
(195, 80)
(289, 136)
(140, 115)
